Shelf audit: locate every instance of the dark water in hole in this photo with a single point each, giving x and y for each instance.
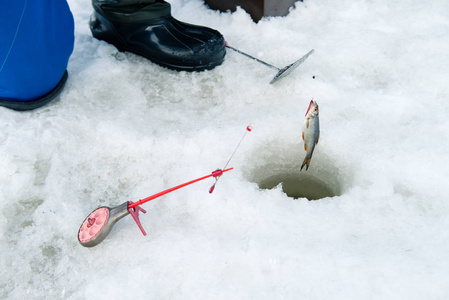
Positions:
(299, 186)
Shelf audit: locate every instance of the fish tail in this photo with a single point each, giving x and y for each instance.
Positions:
(306, 163)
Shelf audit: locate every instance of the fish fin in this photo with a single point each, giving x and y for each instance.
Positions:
(307, 122)
(305, 146)
(306, 163)
(303, 135)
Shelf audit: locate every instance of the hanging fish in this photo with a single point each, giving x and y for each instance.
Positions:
(310, 132)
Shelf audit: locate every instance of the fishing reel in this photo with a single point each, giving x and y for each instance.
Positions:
(97, 225)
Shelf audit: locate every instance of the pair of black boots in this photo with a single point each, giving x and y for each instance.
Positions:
(146, 28)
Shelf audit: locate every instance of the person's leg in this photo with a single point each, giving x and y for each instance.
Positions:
(36, 42)
(146, 28)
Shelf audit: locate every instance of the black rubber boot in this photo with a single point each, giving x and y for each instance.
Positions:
(149, 30)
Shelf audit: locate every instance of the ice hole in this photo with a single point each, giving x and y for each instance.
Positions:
(281, 166)
(297, 185)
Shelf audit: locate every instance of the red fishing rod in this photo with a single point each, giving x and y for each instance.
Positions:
(97, 225)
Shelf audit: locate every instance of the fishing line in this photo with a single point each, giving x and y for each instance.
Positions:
(248, 129)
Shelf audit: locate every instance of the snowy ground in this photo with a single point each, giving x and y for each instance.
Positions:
(126, 128)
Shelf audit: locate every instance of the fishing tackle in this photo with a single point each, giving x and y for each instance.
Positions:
(97, 225)
(281, 72)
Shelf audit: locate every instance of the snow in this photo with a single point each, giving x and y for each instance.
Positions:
(125, 129)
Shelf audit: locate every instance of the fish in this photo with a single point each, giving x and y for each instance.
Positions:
(310, 132)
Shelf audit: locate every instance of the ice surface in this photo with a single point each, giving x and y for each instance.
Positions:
(126, 128)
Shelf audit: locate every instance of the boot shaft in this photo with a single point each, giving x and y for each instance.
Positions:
(132, 10)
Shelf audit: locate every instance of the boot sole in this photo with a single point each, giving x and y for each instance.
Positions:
(172, 66)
